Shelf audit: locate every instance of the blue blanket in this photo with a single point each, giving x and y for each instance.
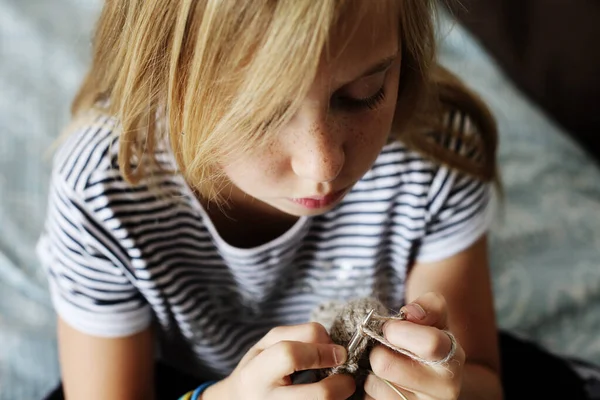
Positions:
(545, 243)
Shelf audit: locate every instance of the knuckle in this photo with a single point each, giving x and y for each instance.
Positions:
(435, 346)
(274, 333)
(440, 298)
(315, 332)
(375, 388)
(450, 392)
(372, 387)
(319, 359)
(437, 300)
(381, 364)
(245, 376)
(286, 352)
(269, 339)
(437, 296)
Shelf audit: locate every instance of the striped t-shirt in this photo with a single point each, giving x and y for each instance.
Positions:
(120, 258)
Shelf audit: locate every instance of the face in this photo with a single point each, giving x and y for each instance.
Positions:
(335, 136)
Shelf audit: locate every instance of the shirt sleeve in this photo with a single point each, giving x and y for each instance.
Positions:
(90, 284)
(460, 211)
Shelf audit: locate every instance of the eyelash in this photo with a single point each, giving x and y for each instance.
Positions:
(368, 102)
(352, 104)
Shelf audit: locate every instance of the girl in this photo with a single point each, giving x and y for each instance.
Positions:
(234, 164)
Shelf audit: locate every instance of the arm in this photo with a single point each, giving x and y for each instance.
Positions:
(464, 281)
(106, 368)
(105, 343)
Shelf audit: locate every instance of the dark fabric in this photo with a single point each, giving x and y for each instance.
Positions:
(549, 48)
(528, 372)
(531, 372)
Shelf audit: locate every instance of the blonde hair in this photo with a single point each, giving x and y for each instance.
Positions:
(225, 75)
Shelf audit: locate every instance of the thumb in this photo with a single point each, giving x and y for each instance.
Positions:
(428, 309)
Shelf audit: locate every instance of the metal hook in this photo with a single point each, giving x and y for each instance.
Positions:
(359, 335)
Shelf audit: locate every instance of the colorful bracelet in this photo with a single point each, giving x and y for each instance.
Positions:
(195, 394)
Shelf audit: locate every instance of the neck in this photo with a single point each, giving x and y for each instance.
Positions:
(244, 221)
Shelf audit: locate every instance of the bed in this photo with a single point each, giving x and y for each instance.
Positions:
(545, 241)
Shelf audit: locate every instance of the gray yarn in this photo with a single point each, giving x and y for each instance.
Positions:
(343, 320)
(348, 317)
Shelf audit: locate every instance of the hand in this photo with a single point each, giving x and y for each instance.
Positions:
(422, 335)
(264, 372)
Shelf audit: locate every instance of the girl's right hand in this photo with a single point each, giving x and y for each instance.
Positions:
(264, 372)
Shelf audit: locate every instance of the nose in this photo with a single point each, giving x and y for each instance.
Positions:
(318, 152)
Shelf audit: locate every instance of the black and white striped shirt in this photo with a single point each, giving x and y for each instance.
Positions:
(120, 258)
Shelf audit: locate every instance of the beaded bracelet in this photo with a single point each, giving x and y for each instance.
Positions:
(195, 394)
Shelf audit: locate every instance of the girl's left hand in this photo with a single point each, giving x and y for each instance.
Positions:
(422, 334)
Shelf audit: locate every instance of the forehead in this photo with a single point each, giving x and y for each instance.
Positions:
(366, 32)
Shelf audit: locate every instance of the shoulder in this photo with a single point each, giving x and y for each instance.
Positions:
(461, 142)
(399, 160)
(455, 141)
(456, 135)
(460, 135)
(86, 173)
(88, 156)
(430, 163)
(87, 152)
(425, 152)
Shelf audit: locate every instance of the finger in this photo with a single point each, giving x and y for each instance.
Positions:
(428, 309)
(413, 376)
(377, 388)
(308, 333)
(426, 342)
(284, 358)
(403, 371)
(334, 387)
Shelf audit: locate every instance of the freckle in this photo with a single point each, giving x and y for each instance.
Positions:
(269, 149)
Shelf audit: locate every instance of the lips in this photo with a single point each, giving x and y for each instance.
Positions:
(316, 202)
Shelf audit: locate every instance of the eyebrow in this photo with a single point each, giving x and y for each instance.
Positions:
(380, 66)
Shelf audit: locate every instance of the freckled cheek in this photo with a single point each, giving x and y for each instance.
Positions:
(259, 165)
(366, 137)
(272, 160)
(372, 130)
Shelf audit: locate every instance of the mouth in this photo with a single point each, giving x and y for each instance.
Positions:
(317, 202)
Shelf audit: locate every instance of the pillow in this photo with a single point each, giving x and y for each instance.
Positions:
(549, 49)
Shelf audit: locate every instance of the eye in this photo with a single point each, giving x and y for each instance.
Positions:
(367, 93)
(354, 104)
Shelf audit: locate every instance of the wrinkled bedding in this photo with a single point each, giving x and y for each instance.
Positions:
(545, 242)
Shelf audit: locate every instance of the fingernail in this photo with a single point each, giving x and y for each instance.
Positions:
(415, 310)
(339, 355)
